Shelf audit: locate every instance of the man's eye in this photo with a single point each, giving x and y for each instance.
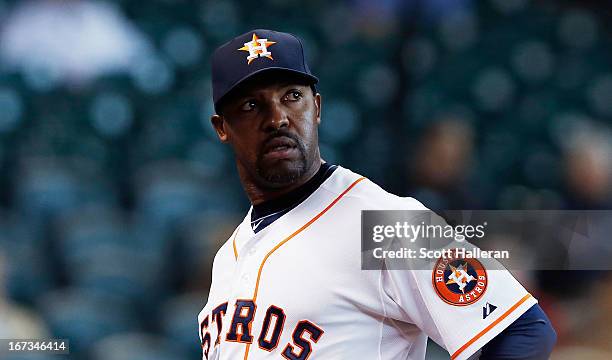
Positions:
(293, 95)
(248, 105)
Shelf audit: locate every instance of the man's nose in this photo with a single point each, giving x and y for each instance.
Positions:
(276, 118)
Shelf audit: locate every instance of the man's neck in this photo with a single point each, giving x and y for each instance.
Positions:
(265, 213)
(258, 195)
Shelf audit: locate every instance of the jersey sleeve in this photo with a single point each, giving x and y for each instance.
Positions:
(460, 320)
(460, 302)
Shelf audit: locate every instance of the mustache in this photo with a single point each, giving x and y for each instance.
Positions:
(282, 133)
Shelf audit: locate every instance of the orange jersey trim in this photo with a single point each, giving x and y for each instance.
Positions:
(310, 222)
(234, 243)
(491, 326)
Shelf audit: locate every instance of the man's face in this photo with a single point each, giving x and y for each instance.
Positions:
(272, 126)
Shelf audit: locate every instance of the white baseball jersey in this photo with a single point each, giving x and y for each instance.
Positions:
(295, 290)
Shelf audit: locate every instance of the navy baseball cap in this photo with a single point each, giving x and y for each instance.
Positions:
(255, 52)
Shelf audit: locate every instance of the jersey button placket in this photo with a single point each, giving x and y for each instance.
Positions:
(246, 267)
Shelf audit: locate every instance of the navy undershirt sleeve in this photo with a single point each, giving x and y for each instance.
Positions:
(530, 337)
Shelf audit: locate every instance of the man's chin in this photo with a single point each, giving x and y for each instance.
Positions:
(281, 173)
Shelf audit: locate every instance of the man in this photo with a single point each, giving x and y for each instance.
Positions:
(287, 283)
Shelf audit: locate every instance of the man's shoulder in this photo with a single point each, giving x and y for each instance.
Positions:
(369, 195)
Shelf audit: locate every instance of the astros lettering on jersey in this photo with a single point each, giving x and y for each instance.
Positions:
(295, 290)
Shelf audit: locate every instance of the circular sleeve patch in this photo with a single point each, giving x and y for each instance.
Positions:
(459, 281)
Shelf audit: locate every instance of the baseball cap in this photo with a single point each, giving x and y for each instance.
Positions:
(252, 53)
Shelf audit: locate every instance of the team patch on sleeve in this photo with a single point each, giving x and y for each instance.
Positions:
(459, 281)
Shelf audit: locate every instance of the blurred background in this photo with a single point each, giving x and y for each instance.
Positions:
(115, 193)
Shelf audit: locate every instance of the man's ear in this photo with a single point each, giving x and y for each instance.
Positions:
(317, 101)
(218, 123)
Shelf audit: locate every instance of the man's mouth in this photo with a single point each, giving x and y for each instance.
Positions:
(279, 148)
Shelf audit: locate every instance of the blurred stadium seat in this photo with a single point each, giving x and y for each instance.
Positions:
(46, 187)
(135, 346)
(166, 192)
(27, 267)
(85, 318)
(177, 322)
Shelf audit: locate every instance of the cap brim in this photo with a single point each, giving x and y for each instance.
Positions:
(302, 74)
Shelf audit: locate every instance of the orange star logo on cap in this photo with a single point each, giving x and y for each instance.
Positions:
(257, 48)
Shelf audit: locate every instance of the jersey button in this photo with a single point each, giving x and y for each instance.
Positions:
(245, 277)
